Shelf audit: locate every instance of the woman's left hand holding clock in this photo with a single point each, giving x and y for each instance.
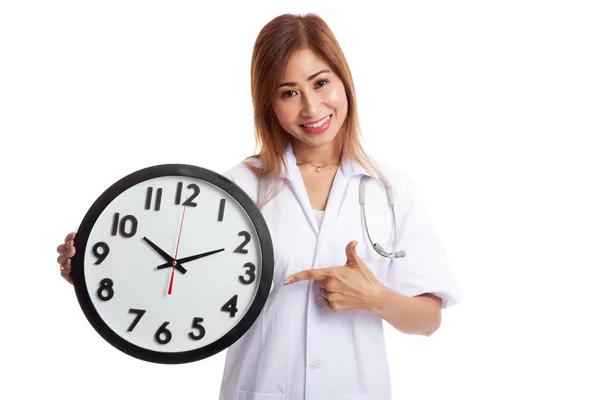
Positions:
(66, 251)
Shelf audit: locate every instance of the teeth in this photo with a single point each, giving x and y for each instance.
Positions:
(318, 124)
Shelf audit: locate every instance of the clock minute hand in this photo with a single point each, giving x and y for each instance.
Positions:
(165, 255)
(191, 258)
(197, 256)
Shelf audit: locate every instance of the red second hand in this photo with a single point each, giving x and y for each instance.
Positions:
(176, 250)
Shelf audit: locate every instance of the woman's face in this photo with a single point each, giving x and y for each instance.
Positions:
(310, 102)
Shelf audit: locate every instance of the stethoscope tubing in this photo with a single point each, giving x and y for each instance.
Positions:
(390, 200)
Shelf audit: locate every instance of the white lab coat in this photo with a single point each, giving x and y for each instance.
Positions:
(299, 349)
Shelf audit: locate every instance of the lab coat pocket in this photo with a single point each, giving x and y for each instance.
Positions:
(379, 266)
(245, 395)
(370, 396)
(376, 262)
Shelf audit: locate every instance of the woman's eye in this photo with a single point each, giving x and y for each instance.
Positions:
(288, 93)
(322, 82)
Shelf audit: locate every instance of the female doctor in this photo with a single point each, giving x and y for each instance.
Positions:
(320, 335)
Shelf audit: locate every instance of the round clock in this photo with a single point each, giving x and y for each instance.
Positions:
(174, 263)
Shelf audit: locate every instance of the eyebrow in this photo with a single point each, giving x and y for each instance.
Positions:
(313, 76)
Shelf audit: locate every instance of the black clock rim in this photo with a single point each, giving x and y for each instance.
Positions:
(155, 171)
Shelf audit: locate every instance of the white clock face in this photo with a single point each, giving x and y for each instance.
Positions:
(130, 277)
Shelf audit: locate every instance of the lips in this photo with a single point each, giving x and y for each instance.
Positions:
(318, 126)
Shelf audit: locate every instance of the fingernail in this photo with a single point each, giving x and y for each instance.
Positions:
(287, 281)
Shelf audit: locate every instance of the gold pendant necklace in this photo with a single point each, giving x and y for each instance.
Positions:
(318, 167)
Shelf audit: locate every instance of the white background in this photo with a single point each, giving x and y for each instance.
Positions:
(491, 107)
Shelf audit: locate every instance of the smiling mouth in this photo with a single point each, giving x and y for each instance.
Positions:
(317, 124)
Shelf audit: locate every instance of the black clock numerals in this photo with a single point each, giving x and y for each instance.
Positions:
(231, 306)
(105, 290)
(190, 199)
(149, 198)
(120, 225)
(250, 272)
(100, 255)
(251, 267)
(240, 249)
(163, 335)
(221, 209)
(139, 315)
(196, 324)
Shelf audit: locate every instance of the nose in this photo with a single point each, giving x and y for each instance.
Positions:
(311, 104)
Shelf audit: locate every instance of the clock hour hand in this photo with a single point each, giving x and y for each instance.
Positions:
(190, 258)
(165, 255)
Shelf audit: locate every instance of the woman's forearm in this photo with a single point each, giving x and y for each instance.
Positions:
(420, 315)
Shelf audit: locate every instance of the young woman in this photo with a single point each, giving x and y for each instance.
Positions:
(320, 335)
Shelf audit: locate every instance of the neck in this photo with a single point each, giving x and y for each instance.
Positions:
(326, 154)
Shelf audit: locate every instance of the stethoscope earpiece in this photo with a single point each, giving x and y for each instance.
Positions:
(400, 254)
(379, 250)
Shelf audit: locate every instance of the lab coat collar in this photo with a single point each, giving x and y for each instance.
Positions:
(348, 169)
(348, 166)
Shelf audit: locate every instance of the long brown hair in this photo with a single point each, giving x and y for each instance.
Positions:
(276, 43)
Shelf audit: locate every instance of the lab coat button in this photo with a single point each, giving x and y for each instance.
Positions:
(316, 364)
(320, 301)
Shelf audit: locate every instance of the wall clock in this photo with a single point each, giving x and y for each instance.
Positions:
(174, 263)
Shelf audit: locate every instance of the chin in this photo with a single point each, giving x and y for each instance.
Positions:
(318, 140)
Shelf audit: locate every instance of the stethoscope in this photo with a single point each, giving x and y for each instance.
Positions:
(361, 199)
(390, 200)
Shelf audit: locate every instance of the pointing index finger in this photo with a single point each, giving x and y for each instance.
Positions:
(309, 274)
